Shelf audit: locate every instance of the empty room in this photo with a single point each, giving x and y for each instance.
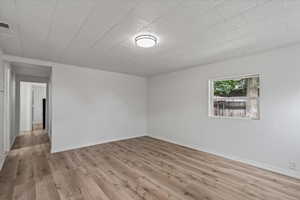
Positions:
(149, 100)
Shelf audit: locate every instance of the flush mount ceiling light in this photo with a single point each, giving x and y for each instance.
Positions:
(146, 41)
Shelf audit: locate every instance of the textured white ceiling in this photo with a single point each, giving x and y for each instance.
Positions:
(99, 33)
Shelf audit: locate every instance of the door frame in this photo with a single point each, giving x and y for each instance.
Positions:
(7, 107)
(31, 79)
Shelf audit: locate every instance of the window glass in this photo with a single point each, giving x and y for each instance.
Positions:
(236, 98)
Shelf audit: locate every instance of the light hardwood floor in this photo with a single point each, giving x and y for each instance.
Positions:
(138, 169)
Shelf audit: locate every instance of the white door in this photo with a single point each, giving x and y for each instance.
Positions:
(39, 93)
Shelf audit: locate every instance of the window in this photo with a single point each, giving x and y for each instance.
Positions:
(235, 98)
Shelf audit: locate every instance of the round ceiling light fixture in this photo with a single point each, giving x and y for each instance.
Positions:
(146, 41)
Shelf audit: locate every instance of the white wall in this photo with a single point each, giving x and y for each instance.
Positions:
(6, 122)
(9, 106)
(92, 106)
(25, 106)
(12, 109)
(49, 107)
(178, 111)
(2, 136)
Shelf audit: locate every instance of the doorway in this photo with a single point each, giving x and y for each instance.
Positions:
(28, 105)
(33, 97)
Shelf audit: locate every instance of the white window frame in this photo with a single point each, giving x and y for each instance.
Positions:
(211, 96)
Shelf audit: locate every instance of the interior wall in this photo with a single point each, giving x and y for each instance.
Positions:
(9, 106)
(25, 107)
(49, 108)
(2, 136)
(93, 106)
(12, 109)
(7, 82)
(178, 111)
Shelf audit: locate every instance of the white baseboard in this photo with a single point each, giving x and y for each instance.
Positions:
(78, 146)
(3, 156)
(286, 172)
(12, 142)
(2, 159)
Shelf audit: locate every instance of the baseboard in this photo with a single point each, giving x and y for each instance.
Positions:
(286, 172)
(78, 146)
(2, 159)
(37, 126)
(24, 132)
(12, 143)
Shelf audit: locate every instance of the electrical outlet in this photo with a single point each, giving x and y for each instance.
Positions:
(292, 165)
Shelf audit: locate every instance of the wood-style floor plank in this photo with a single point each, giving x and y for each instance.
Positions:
(135, 169)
